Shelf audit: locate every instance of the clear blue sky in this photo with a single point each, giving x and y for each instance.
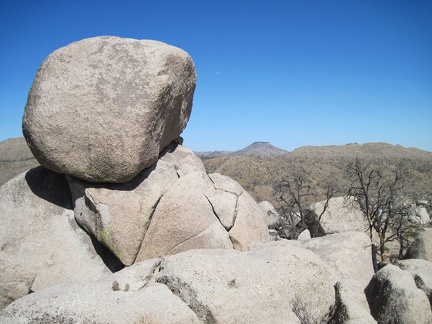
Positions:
(292, 73)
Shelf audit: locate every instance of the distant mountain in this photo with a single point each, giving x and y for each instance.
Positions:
(256, 149)
(259, 175)
(260, 149)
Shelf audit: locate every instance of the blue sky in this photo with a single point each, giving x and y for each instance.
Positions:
(292, 73)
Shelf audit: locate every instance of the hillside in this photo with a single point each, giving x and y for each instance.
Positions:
(256, 149)
(258, 175)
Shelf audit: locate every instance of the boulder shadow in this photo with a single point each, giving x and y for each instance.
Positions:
(50, 186)
(54, 188)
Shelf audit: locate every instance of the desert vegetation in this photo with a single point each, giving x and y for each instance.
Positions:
(385, 181)
(385, 203)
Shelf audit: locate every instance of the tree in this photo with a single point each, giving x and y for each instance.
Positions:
(378, 190)
(404, 228)
(294, 193)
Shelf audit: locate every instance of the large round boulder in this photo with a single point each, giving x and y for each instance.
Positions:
(102, 109)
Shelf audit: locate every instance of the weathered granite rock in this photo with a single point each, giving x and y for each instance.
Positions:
(103, 108)
(278, 282)
(41, 244)
(394, 298)
(421, 271)
(423, 215)
(249, 227)
(305, 275)
(419, 214)
(421, 248)
(272, 216)
(119, 214)
(246, 221)
(170, 207)
(341, 215)
(129, 296)
(351, 306)
(305, 235)
(183, 220)
(348, 253)
(227, 286)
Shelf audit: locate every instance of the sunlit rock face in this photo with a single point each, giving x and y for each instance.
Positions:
(102, 109)
(171, 207)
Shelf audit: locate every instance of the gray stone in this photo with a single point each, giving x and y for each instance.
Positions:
(245, 220)
(272, 216)
(227, 286)
(421, 271)
(129, 296)
(305, 275)
(168, 208)
(423, 215)
(394, 298)
(351, 306)
(118, 215)
(277, 282)
(41, 244)
(305, 235)
(184, 219)
(341, 215)
(103, 108)
(348, 254)
(421, 248)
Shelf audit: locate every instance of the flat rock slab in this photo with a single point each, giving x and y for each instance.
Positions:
(102, 109)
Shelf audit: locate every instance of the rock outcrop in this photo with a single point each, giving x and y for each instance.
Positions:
(107, 114)
(125, 297)
(348, 253)
(102, 109)
(421, 271)
(272, 216)
(341, 215)
(351, 306)
(279, 282)
(421, 248)
(393, 297)
(171, 207)
(41, 244)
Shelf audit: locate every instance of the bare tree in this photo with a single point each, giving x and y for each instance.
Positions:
(404, 228)
(294, 193)
(378, 192)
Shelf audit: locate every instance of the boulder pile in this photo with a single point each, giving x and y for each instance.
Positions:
(122, 223)
(107, 112)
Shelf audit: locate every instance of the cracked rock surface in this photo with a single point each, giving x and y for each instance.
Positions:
(171, 207)
(40, 242)
(278, 282)
(128, 296)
